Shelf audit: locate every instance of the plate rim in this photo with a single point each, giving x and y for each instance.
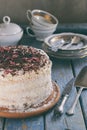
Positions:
(39, 110)
(66, 33)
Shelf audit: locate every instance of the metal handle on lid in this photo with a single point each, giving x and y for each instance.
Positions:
(6, 19)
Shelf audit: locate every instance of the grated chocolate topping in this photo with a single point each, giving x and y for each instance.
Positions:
(15, 58)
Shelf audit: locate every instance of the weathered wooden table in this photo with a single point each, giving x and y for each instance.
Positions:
(62, 72)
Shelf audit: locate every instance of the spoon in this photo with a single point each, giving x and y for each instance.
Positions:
(81, 82)
(74, 41)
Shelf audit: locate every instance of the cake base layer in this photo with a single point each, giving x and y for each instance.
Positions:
(33, 111)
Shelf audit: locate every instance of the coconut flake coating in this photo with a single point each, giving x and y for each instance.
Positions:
(25, 77)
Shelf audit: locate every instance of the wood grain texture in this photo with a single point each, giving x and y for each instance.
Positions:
(1, 123)
(62, 73)
(78, 65)
(66, 12)
(36, 123)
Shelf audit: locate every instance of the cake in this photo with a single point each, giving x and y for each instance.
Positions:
(25, 78)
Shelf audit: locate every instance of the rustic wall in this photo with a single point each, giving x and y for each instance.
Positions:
(67, 11)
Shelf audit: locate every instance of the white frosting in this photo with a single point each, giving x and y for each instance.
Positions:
(24, 90)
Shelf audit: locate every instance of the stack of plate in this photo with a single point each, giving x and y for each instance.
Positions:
(66, 45)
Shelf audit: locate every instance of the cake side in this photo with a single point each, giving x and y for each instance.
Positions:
(26, 82)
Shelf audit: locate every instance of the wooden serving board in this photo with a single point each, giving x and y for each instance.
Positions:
(35, 111)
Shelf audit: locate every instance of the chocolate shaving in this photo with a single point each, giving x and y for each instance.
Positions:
(15, 58)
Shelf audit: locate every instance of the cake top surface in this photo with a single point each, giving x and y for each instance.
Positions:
(25, 58)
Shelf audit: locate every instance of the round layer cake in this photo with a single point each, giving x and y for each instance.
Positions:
(25, 78)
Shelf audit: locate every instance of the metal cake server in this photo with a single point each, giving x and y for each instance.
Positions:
(65, 94)
(81, 81)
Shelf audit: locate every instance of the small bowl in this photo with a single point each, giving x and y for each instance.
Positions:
(41, 18)
(7, 40)
(10, 33)
(42, 28)
(39, 34)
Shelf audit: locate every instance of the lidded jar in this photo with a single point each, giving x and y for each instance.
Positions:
(10, 33)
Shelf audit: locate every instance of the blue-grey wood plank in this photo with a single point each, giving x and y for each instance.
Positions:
(35, 123)
(1, 123)
(62, 73)
(78, 65)
(72, 27)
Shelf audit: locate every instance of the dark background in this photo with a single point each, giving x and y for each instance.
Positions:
(66, 11)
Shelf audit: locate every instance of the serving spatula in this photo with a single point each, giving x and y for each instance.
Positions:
(81, 82)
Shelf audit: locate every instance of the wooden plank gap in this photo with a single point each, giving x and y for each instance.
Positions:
(3, 126)
(44, 118)
(73, 70)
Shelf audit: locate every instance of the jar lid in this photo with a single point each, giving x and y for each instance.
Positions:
(8, 28)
